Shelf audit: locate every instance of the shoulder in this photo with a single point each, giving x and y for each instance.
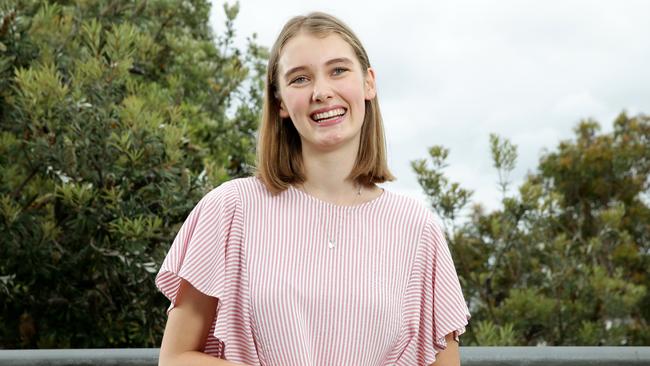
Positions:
(400, 204)
(237, 191)
(233, 187)
(226, 192)
(419, 214)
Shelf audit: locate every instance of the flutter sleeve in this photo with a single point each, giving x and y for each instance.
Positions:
(207, 252)
(434, 303)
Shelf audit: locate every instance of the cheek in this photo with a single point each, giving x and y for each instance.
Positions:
(296, 102)
(353, 94)
(355, 99)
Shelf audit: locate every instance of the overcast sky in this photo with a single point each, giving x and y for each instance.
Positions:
(452, 72)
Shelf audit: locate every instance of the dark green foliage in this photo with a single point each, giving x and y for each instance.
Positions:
(565, 260)
(115, 118)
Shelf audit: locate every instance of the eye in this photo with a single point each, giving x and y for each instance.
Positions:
(298, 80)
(339, 71)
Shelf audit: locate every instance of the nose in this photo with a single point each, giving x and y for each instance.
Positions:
(321, 92)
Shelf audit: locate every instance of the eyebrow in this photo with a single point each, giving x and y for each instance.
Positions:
(337, 60)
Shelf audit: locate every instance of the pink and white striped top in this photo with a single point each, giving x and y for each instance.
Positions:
(304, 282)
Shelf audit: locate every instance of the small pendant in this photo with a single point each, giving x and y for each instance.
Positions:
(331, 243)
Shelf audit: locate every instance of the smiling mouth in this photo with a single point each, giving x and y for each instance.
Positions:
(328, 116)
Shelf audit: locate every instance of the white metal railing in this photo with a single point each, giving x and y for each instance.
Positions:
(470, 356)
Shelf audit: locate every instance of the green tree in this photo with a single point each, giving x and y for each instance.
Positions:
(115, 118)
(565, 260)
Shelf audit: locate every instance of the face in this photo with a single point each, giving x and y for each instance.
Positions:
(323, 89)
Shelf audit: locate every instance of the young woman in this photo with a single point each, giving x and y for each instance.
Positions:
(309, 262)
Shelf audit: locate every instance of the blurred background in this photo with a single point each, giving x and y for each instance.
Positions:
(520, 124)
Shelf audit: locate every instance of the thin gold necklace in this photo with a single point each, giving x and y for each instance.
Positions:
(304, 188)
(331, 239)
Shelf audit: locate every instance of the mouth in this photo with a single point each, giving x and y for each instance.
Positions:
(328, 116)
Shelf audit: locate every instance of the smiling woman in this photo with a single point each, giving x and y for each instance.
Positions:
(319, 61)
(310, 262)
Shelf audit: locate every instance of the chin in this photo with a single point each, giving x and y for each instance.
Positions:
(332, 143)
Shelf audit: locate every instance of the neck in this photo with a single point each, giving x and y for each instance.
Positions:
(327, 171)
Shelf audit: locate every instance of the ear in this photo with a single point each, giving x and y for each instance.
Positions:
(283, 110)
(369, 84)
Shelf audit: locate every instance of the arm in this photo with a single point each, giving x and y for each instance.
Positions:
(449, 356)
(187, 327)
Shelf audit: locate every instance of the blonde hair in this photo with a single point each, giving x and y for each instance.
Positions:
(279, 152)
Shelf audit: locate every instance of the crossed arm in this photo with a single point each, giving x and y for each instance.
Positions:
(189, 322)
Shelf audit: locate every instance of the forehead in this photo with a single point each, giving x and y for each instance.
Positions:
(311, 51)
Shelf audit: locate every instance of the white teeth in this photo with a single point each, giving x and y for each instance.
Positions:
(328, 114)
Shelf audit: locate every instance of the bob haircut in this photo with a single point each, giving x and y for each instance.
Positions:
(279, 149)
